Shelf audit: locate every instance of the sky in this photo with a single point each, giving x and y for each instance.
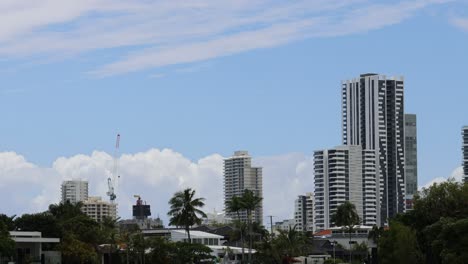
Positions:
(187, 83)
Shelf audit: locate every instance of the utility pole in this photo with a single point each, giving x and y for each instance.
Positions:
(271, 224)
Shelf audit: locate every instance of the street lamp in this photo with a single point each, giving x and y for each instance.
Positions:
(334, 245)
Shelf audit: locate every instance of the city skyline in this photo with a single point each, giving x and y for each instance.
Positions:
(251, 77)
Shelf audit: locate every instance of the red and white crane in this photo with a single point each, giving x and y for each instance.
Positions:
(114, 177)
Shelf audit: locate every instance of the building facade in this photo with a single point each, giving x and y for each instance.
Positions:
(74, 191)
(98, 209)
(411, 159)
(465, 153)
(304, 212)
(238, 176)
(345, 173)
(284, 225)
(373, 117)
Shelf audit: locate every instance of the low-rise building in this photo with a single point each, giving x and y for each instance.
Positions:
(284, 225)
(28, 248)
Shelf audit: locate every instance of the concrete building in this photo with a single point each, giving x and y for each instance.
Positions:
(345, 173)
(28, 248)
(74, 191)
(97, 209)
(238, 176)
(411, 159)
(304, 212)
(373, 117)
(465, 153)
(284, 225)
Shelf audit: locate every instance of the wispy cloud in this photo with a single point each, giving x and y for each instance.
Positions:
(460, 22)
(162, 33)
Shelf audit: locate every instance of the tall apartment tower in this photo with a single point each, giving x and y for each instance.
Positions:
(304, 212)
(465, 153)
(345, 173)
(238, 176)
(373, 117)
(411, 159)
(74, 191)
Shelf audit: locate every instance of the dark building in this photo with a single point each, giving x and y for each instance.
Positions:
(411, 159)
(141, 211)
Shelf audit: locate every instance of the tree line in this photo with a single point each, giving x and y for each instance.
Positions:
(434, 231)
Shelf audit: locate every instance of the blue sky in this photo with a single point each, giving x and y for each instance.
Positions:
(202, 78)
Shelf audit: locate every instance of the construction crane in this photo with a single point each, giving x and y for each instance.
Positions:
(114, 177)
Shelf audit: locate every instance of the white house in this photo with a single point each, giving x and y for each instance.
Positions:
(29, 247)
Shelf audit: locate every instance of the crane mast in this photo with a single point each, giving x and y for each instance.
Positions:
(112, 180)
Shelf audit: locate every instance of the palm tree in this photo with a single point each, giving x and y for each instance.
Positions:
(346, 217)
(250, 202)
(184, 210)
(235, 205)
(291, 242)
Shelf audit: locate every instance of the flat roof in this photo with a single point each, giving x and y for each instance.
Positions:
(198, 234)
(35, 240)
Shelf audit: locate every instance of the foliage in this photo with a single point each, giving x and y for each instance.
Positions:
(250, 202)
(284, 247)
(376, 233)
(346, 215)
(399, 245)
(236, 205)
(76, 251)
(184, 210)
(44, 222)
(191, 253)
(292, 242)
(160, 250)
(8, 221)
(7, 245)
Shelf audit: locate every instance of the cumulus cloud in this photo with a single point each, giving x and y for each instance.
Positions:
(161, 33)
(154, 174)
(456, 175)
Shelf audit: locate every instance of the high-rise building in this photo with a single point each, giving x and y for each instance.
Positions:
(465, 153)
(411, 159)
(97, 209)
(304, 212)
(74, 191)
(345, 173)
(373, 117)
(239, 175)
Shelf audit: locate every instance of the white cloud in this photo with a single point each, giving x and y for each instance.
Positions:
(460, 22)
(457, 175)
(154, 174)
(162, 33)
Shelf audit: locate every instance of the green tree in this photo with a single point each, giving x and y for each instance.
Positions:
(375, 234)
(160, 250)
(398, 245)
(184, 210)
(235, 205)
(346, 217)
(7, 245)
(191, 253)
(250, 202)
(292, 243)
(438, 219)
(8, 221)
